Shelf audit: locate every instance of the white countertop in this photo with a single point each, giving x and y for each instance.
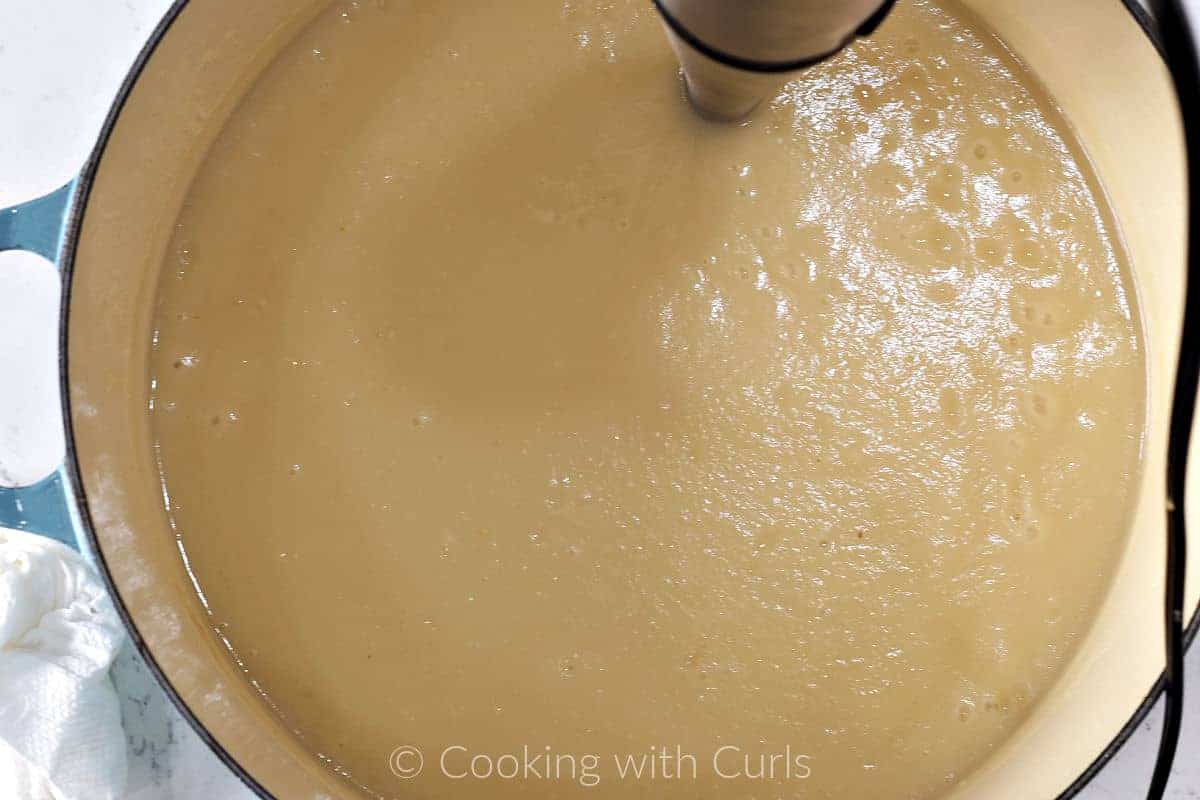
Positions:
(61, 62)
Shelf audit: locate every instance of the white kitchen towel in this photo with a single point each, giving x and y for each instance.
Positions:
(60, 723)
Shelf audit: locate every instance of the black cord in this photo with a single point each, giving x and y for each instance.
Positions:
(1180, 50)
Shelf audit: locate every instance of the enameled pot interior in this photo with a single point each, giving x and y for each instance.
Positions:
(1092, 56)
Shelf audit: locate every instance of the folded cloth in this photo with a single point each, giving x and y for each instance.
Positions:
(60, 722)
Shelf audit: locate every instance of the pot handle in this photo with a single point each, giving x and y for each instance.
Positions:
(45, 507)
(38, 225)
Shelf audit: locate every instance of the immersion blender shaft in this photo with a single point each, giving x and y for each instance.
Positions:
(735, 53)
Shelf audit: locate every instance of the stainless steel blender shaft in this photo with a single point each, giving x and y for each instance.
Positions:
(734, 53)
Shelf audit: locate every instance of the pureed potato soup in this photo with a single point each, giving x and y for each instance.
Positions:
(529, 436)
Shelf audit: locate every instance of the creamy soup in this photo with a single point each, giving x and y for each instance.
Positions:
(510, 411)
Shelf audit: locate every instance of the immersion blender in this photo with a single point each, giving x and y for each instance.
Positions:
(736, 53)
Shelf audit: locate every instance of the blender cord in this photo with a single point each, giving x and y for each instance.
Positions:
(1179, 47)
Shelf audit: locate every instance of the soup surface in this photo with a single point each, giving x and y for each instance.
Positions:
(510, 411)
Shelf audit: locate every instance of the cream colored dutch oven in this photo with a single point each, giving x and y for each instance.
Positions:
(109, 228)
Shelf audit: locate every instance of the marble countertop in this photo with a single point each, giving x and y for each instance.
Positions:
(61, 62)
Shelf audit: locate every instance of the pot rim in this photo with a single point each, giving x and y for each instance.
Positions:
(85, 531)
